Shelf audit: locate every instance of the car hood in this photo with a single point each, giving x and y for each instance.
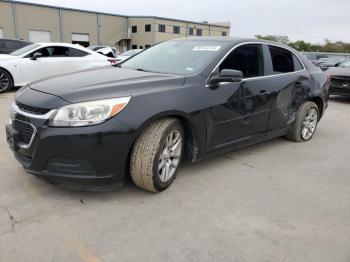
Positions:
(7, 57)
(122, 57)
(339, 71)
(106, 82)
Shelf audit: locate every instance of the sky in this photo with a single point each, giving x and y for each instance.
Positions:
(309, 20)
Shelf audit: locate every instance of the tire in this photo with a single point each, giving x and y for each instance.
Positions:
(308, 110)
(150, 152)
(6, 81)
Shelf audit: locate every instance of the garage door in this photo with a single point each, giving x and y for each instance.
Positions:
(1, 33)
(81, 39)
(40, 36)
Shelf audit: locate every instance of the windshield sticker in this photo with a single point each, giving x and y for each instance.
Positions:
(189, 69)
(207, 48)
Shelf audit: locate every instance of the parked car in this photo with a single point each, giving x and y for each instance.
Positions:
(9, 45)
(190, 98)
(108, 51)
(340, 79)
(325, 63)
(42, 60)
(128, 54)
(311, 57)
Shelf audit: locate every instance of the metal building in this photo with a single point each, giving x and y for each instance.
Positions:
(42, 23)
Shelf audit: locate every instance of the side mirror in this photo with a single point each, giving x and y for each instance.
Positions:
(227, 75)
(36, 56)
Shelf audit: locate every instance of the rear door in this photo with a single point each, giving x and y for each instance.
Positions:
(289, 83)
(78, 60)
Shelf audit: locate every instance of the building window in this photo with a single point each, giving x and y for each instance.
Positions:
(161, 28)
(199, 32)
(224, 34)
(141, 47)
(40, 36)
(134, 47)
(134, 29)
(190, 31)
(147, 28)
(176, 29)
(147, 46)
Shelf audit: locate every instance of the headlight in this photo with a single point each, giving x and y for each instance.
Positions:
(88, 113)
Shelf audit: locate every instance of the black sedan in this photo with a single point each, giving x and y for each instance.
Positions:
(182, 99)
(340, 79)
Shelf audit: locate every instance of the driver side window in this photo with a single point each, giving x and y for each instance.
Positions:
(247, 58)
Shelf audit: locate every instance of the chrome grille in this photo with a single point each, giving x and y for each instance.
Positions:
(32, 110)
(342, 81)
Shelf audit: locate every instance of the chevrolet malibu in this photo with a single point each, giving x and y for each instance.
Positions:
(182, 99)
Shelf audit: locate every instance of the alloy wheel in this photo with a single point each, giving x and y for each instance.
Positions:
(309, 124)
(170, 156)
(4, 81)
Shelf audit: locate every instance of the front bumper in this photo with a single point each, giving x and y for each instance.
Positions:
(86, 157)
(335, 90)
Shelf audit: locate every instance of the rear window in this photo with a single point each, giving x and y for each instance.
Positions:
(297, 64)
(282, 60)
(76, 53)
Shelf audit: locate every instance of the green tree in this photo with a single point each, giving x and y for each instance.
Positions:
(303, 46)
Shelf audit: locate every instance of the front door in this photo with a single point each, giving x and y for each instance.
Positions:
(52, 62)
(242, 110)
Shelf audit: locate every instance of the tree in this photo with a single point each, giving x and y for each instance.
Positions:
(301, 45)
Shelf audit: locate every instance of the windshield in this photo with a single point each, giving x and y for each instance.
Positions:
(346, 63)
(175, 57)
(24, 50)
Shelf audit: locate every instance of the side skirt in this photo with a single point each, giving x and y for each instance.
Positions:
(270, 135)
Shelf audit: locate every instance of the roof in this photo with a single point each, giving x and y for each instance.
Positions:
(222, 39)
(112, 14)
(235, 40)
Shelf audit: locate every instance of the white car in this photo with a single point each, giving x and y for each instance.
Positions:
(127, 55)
(105, 50)
(41, 60)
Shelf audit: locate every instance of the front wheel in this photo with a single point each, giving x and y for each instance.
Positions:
(157, 154)
(6, 82)
(305, 124)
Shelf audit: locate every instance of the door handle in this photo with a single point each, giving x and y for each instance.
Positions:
(264, 93)
(299, 84)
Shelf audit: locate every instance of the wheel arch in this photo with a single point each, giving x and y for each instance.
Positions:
(5, 69)
(191, 138)
(320, 104)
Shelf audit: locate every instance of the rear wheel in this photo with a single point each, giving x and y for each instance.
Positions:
(6, 82)
(157, 154)
(305, 124)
